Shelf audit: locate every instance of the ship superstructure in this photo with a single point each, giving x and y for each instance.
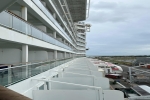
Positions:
(42, 52)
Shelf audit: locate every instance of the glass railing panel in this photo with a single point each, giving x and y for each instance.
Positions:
(18, 25)
(60, 62)
(6, 19)
(45, 67)
(29, 30)
(37, 33)
(46, 37)
(56, 63)
(35, 69)
(4, 77)
(52, 64)
(18, 74)
(52, 40)
(12, 75)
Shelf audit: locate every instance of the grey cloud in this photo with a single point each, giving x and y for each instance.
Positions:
(104, 5)
(101, 17)
(120, 30)
(118, 12)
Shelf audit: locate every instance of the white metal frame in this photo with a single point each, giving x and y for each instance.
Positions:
(88, 86)
(77, 74)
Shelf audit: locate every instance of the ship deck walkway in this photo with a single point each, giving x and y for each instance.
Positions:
(79, 80)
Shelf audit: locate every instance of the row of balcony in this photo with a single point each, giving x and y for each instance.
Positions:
(50, 16)
(12, 22)
(25, 28)
(38, 3)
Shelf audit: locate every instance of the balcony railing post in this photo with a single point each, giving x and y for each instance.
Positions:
(9, 74)
(11, 21)
(41, 67)
(27, 70)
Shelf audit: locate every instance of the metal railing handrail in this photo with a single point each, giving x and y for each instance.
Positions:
(88, 86)
(29, 64)
(21, 66)
(83, 69)
(24, 63)
(77, 74)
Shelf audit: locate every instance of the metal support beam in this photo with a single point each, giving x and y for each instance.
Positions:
(25, 59)
(24, 13)
(9, 74)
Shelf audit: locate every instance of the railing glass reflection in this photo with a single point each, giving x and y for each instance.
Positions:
(11, 74)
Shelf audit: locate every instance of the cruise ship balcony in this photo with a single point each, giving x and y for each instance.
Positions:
(72, 79)
(39, 16)
(17, 30)
(56, 6)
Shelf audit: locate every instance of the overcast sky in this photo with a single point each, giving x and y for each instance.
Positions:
(119, 27)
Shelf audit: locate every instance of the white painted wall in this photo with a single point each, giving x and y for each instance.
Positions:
(67, 55)
(113, 95)
(51, 55)
(60, 55)
(102, 82)
(38, 56)
(10, 56)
